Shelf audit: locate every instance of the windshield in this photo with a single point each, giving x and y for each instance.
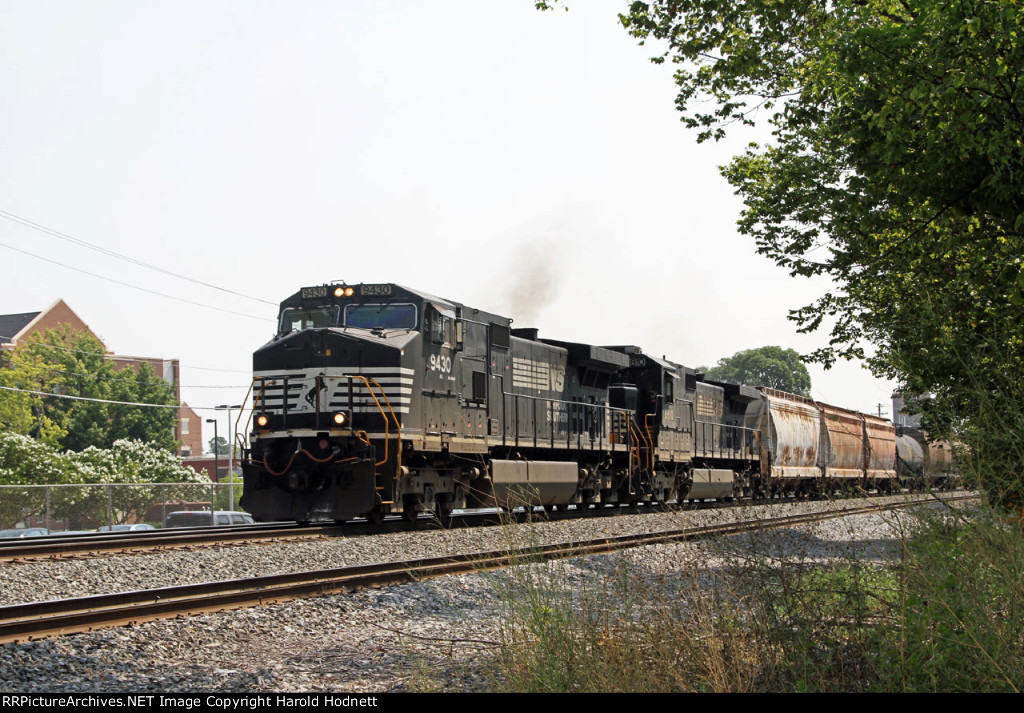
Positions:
(381, 316)
(295, 319)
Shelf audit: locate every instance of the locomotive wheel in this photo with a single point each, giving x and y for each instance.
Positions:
(376, 515)
(443, 511)
(411, 506)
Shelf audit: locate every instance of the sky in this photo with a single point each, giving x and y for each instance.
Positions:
(523, 162)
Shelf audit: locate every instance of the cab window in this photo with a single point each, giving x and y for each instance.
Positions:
(295, 319)
(441, 325)
(381, 316)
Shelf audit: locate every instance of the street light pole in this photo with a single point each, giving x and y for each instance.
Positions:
(231, 456)
(216, 459)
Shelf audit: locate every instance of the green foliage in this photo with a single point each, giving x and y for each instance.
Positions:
(152, 425)
(767, 366)
(944, 611)
(26, 461)
(20, 412)
(895, 170)
(962, 610)
(229, 493)
(74, 364)
(219, 446)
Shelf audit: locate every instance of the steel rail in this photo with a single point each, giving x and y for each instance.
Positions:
(56, 546)
(24, 622)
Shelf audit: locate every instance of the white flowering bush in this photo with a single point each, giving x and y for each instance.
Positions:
(26, 461)
(134, 462)
(131, 464)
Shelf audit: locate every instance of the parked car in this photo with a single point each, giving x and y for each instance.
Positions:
(125, 528)
(205, 518)
(24, 532)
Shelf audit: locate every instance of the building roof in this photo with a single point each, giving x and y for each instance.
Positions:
(12, 324)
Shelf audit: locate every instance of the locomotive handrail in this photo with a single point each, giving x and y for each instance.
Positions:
(241, 438)
(593, 408)
(369, 389)
(650, 442)
(722, 430)
(398, 431)
(634, 434)
(635, 439)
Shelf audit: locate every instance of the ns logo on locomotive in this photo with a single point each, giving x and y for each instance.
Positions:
(375, 398)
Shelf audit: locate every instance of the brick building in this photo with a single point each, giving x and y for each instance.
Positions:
(15, 328)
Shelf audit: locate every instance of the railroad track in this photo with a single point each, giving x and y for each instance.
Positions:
(77, 546)
(81, 545)
(24, 622)
(85, 545)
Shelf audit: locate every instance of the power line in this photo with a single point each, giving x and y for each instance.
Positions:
(115, 378)
(140, 360)
(134, 287)
(78, 241)
(106, 401)
(210, 368)
(86, 398)
(118, 357)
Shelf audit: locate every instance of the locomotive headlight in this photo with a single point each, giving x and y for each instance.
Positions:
(349, 291)
(340, 418)
(339, 291)
(262, 420)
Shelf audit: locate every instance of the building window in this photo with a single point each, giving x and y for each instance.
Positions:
(184, 426)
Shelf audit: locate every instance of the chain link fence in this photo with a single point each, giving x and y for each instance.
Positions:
(58, 508)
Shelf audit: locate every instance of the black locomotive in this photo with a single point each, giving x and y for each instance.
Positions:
(376, 399)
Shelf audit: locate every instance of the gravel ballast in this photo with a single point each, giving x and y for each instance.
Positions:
(433, 635)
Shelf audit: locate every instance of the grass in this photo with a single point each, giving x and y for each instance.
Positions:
(941, 613)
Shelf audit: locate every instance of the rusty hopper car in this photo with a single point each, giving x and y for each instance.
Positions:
(923, 463)
(374, 399)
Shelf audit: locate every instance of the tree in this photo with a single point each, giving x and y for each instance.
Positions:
(220, 446)
(147, 424)
(229, 498)
(895, 169)
(23, 376)
(74, 365)
(767, 366)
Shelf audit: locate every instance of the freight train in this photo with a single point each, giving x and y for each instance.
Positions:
(374, 399)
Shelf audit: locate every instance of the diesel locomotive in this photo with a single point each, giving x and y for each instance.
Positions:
(374, 399)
